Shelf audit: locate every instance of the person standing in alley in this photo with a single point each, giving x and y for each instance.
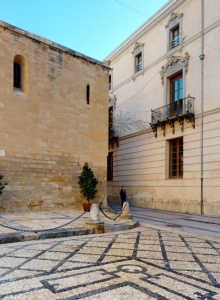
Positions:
(123, 195)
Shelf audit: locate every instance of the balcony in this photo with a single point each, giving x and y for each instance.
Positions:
(178, 110)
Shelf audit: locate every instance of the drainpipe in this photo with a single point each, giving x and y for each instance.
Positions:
(202, 56)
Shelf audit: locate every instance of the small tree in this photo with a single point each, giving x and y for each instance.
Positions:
(2, 185)
(87, 183)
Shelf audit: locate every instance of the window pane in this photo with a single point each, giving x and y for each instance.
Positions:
(180, 166)
(176, 158)
(174, 37)
(181, 157)
(138, 62)
(175, 90)
(176, 32)
(176, 87)
(181, 88)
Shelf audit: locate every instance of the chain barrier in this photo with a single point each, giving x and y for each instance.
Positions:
(116, 210)
(108, 216)
(41, 230)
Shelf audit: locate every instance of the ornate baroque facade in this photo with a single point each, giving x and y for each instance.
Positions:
(165, 118)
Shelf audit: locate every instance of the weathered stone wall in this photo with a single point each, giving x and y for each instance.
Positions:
(47, 128)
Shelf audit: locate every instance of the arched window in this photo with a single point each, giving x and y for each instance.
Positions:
(17, 75)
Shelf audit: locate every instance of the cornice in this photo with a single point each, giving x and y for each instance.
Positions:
(134, 134)
(185, 43)
(143, 29)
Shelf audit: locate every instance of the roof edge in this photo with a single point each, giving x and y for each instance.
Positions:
(51, 43)
(144, 26)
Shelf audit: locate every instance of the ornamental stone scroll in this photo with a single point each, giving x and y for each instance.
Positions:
(174, 64)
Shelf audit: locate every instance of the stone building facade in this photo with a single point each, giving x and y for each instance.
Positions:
(53, 119)
(164, 110)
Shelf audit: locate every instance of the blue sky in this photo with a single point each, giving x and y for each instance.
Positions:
(92, 27)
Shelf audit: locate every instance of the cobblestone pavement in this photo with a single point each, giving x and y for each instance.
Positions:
(147, 262)
(42, 220)
(203, 225)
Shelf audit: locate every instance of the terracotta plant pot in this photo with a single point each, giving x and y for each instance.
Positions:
(86, 207)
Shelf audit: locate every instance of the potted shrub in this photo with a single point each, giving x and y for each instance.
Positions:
(87, 183)
(2, 185)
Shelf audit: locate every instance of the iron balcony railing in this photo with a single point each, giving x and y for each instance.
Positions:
(139, 66)
(180, 108)
(175, 42)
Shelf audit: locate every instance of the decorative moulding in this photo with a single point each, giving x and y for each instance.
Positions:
(137, 46)
(173, 17)
(173, 63)
(141, 72)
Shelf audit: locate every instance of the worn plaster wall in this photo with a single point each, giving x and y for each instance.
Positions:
(47, 129)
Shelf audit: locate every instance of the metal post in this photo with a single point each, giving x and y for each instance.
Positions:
(202, 56)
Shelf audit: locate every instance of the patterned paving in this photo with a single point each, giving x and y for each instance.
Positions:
(143, 263)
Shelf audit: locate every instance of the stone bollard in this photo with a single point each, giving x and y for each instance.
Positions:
(105, 206)
(94, 212)
(95, 222)
(125, 211)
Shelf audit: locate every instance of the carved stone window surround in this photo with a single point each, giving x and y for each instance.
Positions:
(173, 65)
(138, 51)
(175, 21)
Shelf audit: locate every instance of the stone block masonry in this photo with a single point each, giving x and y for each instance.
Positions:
(48, 128)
